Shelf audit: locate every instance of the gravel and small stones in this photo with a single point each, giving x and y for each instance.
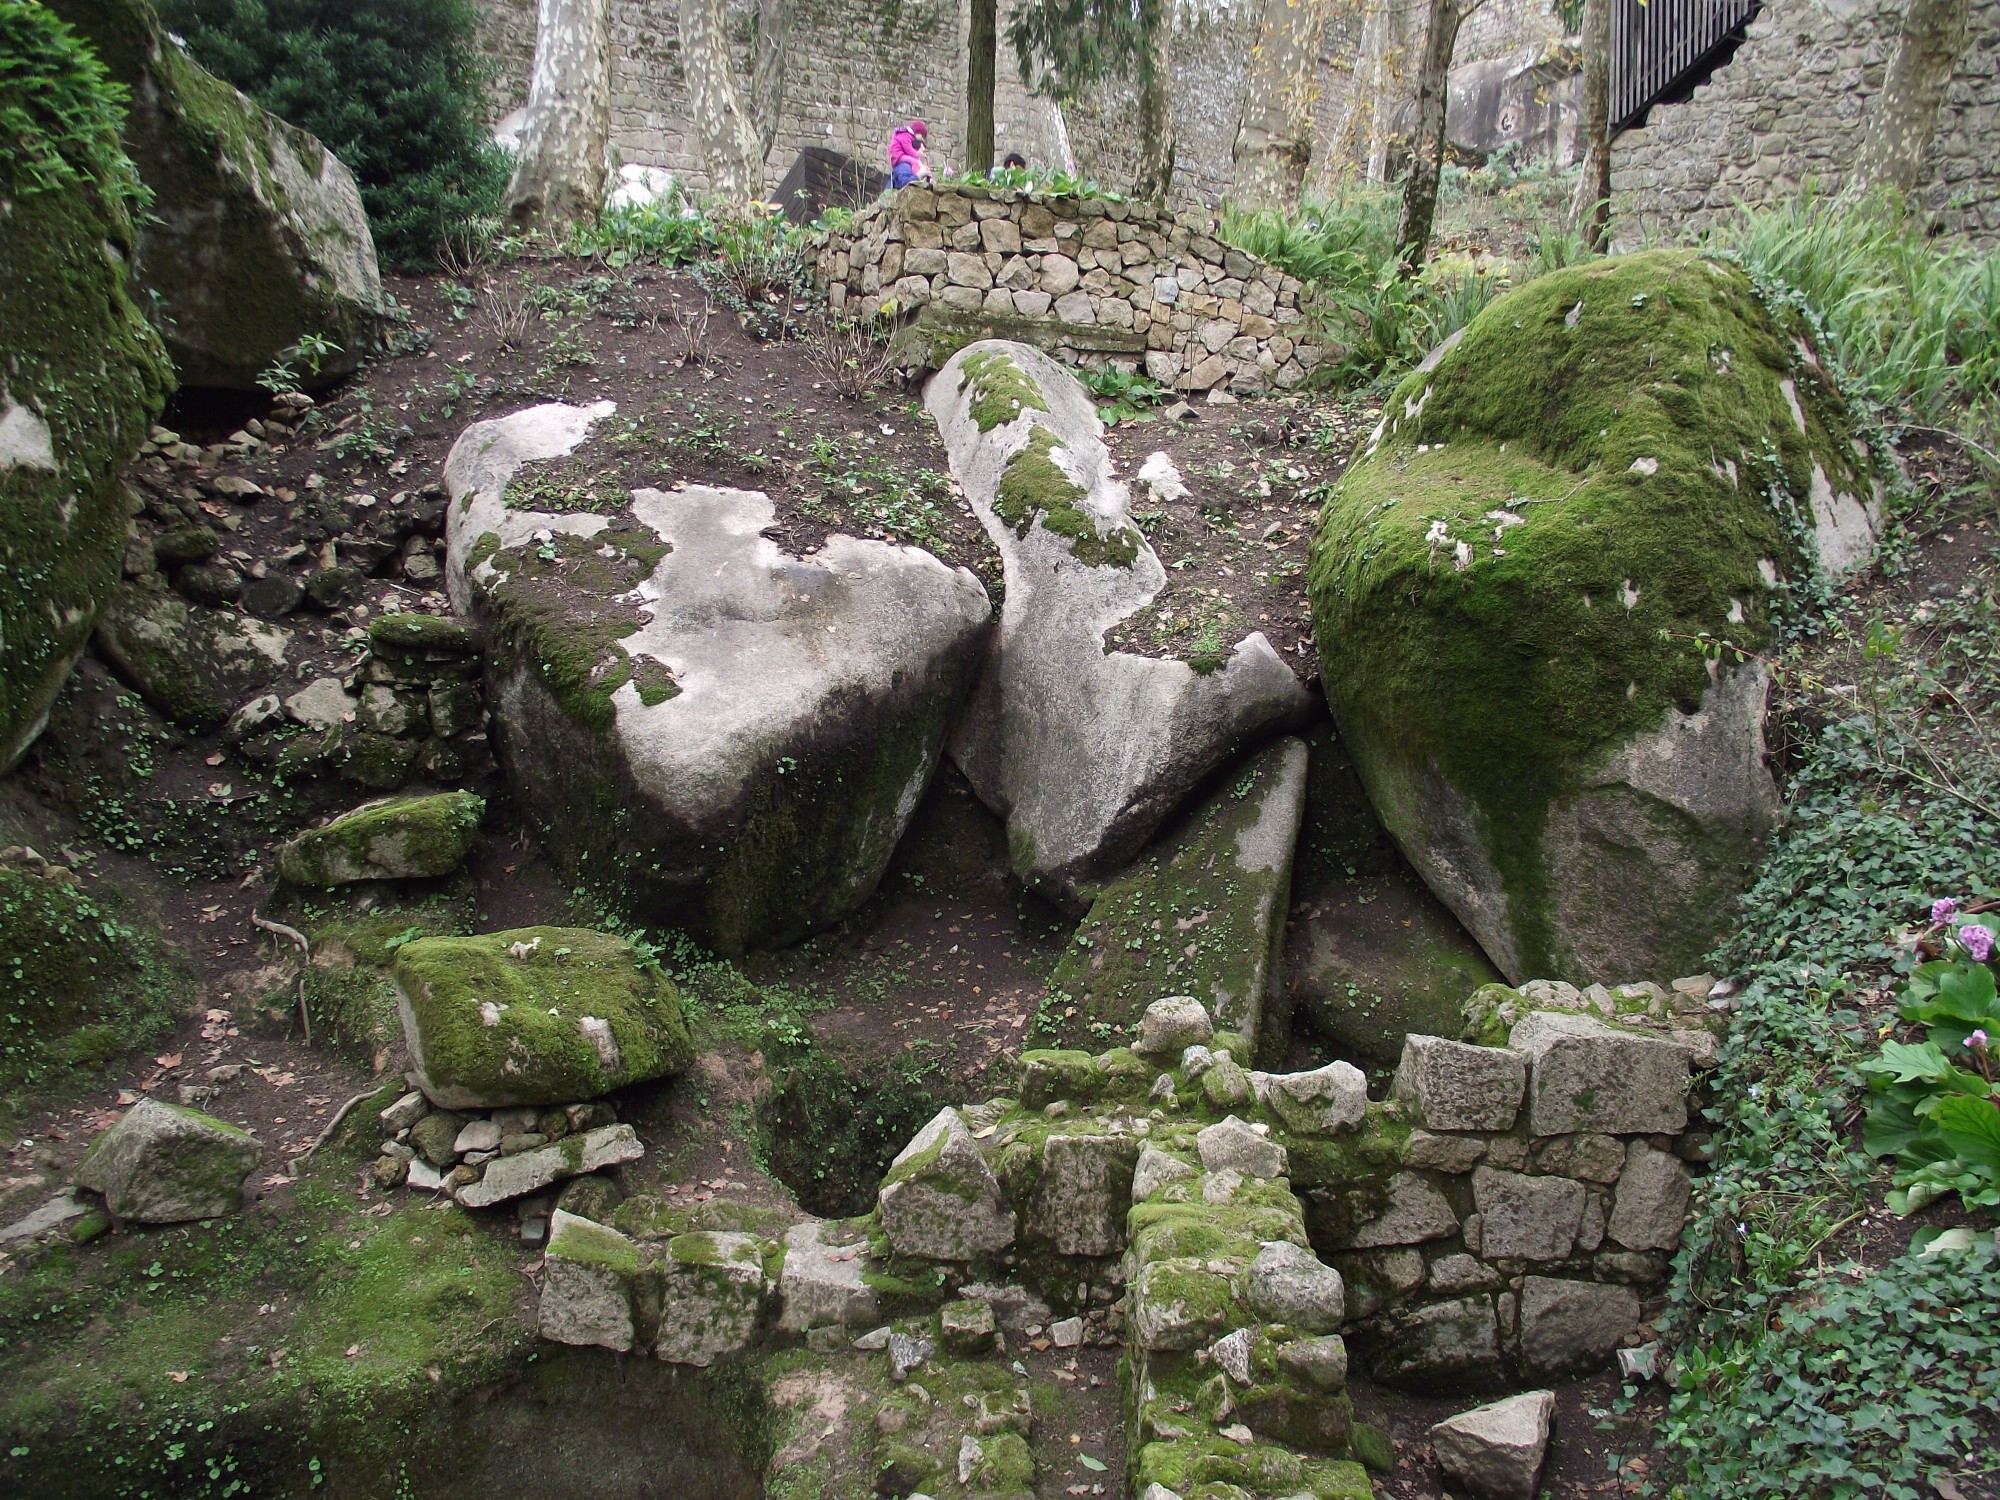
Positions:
(435, 1150)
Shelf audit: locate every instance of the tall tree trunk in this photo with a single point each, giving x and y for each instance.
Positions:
(1274, 141)
(983, 39)
(1905, 114)
(560, 174)
(1361, 135)
(1155, 174)
(767, 70)
(722, 129)
(1420, 193)
(1590, 211)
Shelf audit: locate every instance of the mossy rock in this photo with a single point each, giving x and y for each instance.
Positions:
(193, 664)
(85, 374)
(256, 237)
(163, 1164)
(1201, 914)
(1533, 587)
(403, 838)
(538, 1015)
(80, 983)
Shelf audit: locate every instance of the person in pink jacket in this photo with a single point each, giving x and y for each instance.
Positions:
(906, 154)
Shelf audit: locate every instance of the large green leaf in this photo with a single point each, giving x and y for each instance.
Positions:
(1907, 1064)
(1971, 1128)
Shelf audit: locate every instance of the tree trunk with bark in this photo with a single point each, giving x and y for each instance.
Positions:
(1155, 174)
(559, 176)
(1361, 132)
(983, 37)
(1590, 210)
(1274, 141)
(724, 135)
(767, 71)
(1420, 192)
(1904, 116)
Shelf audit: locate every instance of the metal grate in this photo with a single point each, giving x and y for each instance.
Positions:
(1656, 45)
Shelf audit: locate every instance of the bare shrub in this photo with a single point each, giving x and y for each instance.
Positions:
(851, 355)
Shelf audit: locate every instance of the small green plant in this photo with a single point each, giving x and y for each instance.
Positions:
(1933, 1104)
(309, 353)
(1122, 395)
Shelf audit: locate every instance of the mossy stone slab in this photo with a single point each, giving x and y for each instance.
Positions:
(1202, 914)
(402, 838)
(537, 1015)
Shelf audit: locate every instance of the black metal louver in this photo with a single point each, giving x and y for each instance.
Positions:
(1658, 45)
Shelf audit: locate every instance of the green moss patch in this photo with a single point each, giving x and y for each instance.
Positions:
(401, 839)
(1033, 487)
(1000, 389)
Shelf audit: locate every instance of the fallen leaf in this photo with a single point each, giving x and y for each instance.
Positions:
(353, 1350)
(178, 1377)
(1095, 1465)
(168, 1059)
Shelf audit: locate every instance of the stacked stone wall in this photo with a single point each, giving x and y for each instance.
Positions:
(1091, 279)
(1792, 106)
(856, 70)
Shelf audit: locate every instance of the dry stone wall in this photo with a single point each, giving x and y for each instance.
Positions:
(856, 70)
(1091, 279)
(1792, 106)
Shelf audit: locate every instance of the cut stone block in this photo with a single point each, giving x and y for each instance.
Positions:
(1496, 1451)
(940, 1199)
(1587, 1076)
(1455, 1086)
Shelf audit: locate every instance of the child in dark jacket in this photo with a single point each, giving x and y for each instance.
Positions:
(906, 154)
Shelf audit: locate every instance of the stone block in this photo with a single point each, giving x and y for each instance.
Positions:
(1496, 1451)
(940, 1200)
(1451, 1344)
(1572, 1326)
(1590, 1158)
(1233, 1146)
(1076, 307)
(1083, 1193)
(1032, 304)
(1652, 1200)
(1002, 235)
(1288, 1284)
(1455, 1086)
(596, 1292)
(1318, 1102)
(1526, 1218)
(1416, 1212)
(1587, 1076)
(1457, 1154)
(822, 1282)
(925, 262)
(968, 270)
(1060, 275)
(712, 1293)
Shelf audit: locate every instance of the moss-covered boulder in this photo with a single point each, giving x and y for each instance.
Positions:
(80, 984)
(256, 238)
(83, 375)
(538, 1015)
(1534, 586)
(714, 732)
(1085, 751)
(401, 838)
(1202, 914)
(162, 1164)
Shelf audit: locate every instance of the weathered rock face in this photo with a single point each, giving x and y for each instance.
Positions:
(161, 1164)
(733, 737)
(256, 237)
(1203, 913)
(1511, 580)
(940, 1199)
(1084, 753)
(85, 374)
(540, 1015)
(403, 838)
(192, 663)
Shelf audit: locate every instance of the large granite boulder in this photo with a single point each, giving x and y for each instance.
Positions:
(537, 1015)
(1084, 752)
(162, 1164)
(1533, 586)
(255, 237)
(732, 737)
(84, 374)
(1202, 914)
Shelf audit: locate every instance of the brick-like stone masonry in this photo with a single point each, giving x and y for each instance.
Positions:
(1093, 280)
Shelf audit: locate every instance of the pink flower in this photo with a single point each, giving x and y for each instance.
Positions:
(1977, 942)
(1977, 1041)
(1943, 910)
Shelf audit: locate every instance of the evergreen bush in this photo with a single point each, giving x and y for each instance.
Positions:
(391, 86)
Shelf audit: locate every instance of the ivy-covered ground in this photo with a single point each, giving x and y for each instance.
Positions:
(1822, 1345)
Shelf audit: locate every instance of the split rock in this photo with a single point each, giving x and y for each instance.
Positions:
(940, 1199)
(594, 1288)
(1084, 752)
